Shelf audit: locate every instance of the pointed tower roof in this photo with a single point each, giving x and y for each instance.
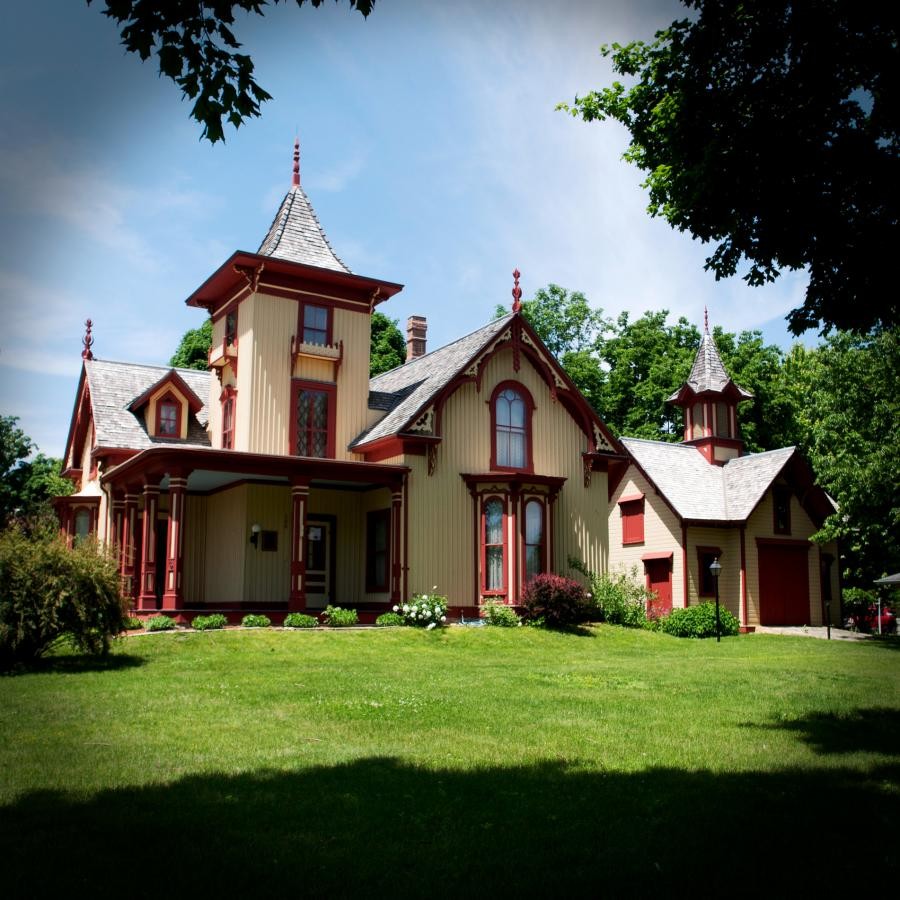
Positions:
(708, 374)
(295, 234)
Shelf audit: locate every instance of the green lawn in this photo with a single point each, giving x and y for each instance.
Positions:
(402, 762)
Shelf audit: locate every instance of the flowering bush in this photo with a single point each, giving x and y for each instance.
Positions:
(559, 601)
(425, 610)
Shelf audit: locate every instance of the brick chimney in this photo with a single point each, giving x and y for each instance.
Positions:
(416, 327)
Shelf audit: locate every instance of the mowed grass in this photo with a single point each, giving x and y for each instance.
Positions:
(608, 762)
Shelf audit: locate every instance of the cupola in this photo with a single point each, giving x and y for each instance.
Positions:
(709, 399)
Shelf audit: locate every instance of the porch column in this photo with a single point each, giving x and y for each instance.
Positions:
(173, 597)
(396, 517)
(299, 506)
(114, 539)
(129, 522)
(147, 596)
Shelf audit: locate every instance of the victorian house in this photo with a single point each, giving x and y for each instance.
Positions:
(285, 478)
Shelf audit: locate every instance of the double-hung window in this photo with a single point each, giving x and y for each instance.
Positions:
(314, 419)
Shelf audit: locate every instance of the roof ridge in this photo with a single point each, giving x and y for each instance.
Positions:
(413, 362)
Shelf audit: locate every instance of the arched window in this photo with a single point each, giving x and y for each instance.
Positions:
(168, 417)
(493, 546)
(534, 539)
(228, 397)
(511, 408)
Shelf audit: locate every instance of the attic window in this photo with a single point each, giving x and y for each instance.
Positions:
(168, 417)
(315, 325)
(231, 329)
(782, 510)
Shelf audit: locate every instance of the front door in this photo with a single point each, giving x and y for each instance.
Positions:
(659, 581)
(320, 562)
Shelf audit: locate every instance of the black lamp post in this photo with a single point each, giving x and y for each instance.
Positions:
(715, 568)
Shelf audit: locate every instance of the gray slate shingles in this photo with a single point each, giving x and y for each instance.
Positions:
(408, 388)
(708, 371)
(115, 385)
(699, 490)
(296, 235)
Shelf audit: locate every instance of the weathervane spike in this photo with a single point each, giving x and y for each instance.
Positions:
(705, 320)
(295, 180)
(87, 340)
(516, 292)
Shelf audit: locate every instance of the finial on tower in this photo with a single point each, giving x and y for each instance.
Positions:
(87, 340)
(516, 292)
(705, 320)
(295, 180)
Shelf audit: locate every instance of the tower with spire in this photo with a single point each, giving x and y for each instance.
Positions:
(709, 399)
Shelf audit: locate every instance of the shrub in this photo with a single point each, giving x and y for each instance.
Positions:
(340, 618)
(159, 623)
(616, 598)
(699, 622)
(390, 618)
(500, 614)
(424, 610)
(48, 589)
(558, 600)
(253, 620)
(208, 623)
(300, 620)
(132, 623)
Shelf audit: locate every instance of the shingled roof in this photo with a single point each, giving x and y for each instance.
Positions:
(115, 385)
(697, 490)
(406, 390)
(297, 236)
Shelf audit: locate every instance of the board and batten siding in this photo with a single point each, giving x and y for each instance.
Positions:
(226, 535)
(443, 531)
(728, 539)
(267, 572)
(662, 533)
(761, 524)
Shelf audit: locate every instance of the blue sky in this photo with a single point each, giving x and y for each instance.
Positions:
(431, 152)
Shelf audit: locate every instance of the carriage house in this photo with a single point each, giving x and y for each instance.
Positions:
(284, 478)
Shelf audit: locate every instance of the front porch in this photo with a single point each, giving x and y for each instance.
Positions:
(201, 531)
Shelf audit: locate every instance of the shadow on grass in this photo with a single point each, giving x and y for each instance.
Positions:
(72, 663)
(864, 730)
(379, 827)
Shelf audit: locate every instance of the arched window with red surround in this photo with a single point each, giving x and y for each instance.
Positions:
(511, 411)
(168, 417)
(533, 540)
(493, 546)
(228, 404)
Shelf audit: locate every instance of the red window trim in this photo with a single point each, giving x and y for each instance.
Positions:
(168, 398)
(503, 500)
(631, 510)
(229, 395)
(708, 551)
(372, 518)
(785, 493)
(299, 384)
(543, 545)
(329, 320)
(524, 393)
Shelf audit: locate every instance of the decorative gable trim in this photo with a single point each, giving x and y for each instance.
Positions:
(171, 379)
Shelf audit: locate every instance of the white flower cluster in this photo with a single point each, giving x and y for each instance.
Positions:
(427, 611)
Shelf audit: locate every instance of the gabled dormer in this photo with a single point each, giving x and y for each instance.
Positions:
(291, 337)
(709, 399)
(165, 407)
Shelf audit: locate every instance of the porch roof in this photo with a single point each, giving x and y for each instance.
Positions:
(208, 470)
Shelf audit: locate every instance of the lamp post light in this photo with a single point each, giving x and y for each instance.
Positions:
(715, 568)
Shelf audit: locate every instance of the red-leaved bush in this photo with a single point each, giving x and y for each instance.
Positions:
(554, 599)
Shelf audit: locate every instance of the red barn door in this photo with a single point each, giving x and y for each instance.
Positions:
(784, 584)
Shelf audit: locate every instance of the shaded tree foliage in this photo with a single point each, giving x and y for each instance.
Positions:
(196, 48)
(771, 128)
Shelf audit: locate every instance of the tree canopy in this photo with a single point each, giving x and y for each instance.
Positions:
(388, 346)
(771, 128)
(193, 348)
(26, 485)
(196, 48)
